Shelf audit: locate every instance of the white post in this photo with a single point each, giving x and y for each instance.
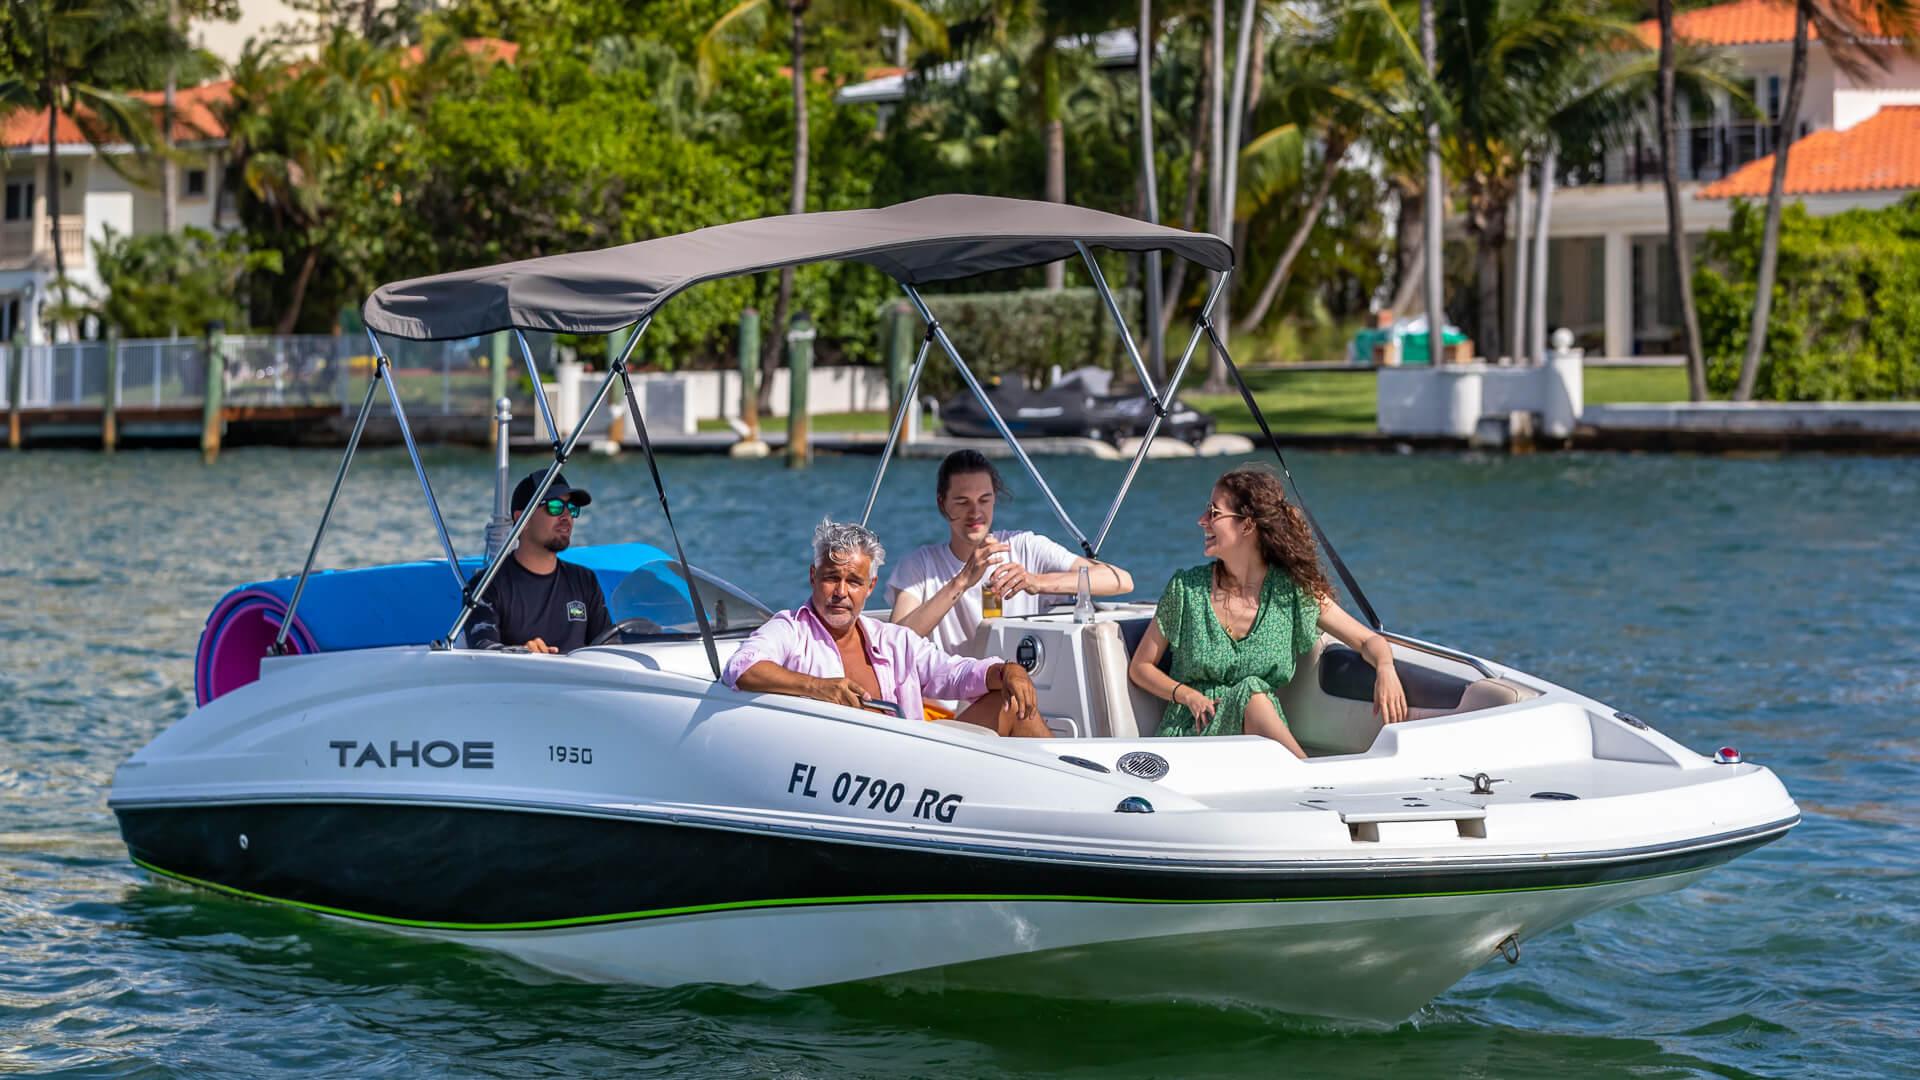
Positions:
(1618, 294)
(1522, 210)
(1537, 322)
(1564, 396)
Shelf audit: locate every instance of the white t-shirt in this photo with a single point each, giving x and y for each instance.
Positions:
(926, 570)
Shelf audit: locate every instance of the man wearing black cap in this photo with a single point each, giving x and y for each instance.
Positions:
(536, 601)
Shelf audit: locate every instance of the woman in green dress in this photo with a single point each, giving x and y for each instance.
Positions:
(1235, 626)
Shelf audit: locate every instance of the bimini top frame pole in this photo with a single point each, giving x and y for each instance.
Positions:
(382, 376)
(966, 374)
(472, 593)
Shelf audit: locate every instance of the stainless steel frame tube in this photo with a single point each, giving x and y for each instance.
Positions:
(899, 422)
(1119, 320)
(539, 391)
(385, 371)
(346, 459)
(560, 456)
(1153, 426)
(999, 424)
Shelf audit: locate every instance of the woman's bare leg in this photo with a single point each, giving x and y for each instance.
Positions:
(995, 713)
(1264, 719)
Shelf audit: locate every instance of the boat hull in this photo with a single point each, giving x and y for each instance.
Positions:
(644, 900)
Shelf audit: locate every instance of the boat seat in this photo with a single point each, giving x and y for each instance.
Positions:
(971, 729)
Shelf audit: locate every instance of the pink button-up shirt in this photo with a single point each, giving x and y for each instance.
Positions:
(908, 666)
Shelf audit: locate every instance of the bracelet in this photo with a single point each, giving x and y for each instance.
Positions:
(1174, 696)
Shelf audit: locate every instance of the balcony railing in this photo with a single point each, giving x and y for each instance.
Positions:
(17, 240)
(1707, 152)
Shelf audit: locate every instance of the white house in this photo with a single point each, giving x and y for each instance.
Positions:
(93, 199)
(1858, 147)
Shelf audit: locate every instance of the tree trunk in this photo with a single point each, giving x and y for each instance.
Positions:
(1543, 219)
(1681, 262)
(169, 170)
(1486, 295)
(1052, 104)
(1329, 170)
(53, 200)
(1770, 236)
(1219, 215)
(1408, 260)
(1434, 203)
(1216, 112)
(1155, 328)
(1196, 167)
(1522, 214)
(776, 340)
(291, 317)
(1236, 113)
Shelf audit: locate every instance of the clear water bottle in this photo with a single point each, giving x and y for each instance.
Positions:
(1083, 600)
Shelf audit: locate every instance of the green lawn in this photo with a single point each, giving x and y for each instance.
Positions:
(1312, 402)
(1297, 402)
(1342, 402)
(1605, 386)
(876, 422)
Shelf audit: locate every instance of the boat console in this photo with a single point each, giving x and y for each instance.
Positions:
(1079, 671)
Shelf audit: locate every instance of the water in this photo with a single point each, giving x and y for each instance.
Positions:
(1769, 603)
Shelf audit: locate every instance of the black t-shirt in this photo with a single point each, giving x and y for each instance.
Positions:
(565, 609)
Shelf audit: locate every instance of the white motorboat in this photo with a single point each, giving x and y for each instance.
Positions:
(618, 814)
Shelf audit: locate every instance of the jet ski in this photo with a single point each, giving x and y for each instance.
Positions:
(1079, 405)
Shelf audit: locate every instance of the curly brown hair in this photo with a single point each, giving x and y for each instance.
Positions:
(1285, 539)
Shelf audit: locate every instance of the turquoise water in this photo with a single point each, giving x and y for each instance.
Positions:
(1770, 603)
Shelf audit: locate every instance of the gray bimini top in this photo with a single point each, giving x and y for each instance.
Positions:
(938, 238)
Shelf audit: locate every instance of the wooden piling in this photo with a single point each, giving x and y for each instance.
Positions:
(16, 379)
(213, 412)
(750, 373)
(899, 353)
(497, 367)
(110, 397)
(799, 366)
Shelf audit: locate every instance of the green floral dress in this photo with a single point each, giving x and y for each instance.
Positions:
(1228, 671)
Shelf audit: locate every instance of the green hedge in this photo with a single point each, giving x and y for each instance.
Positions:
(1845, 324)
(1025, 334)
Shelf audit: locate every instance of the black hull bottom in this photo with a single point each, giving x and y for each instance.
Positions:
(484, 869)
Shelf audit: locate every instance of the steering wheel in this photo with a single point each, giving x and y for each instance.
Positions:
(637, 625)
(877, 705)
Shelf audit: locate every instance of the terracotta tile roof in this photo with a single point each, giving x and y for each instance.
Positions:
(1742, 22)
(196, 117)
(1880, 153)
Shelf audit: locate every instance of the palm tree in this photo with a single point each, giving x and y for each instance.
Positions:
(1338, 84)
(925, 30)
(1522, 79)
(299, 135)
(1855, 33)
(72, 58)
(1679, 259)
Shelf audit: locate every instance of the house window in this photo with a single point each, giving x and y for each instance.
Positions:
(19, 200)
(196, 183)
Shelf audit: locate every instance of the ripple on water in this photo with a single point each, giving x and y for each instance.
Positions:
(1775, 602)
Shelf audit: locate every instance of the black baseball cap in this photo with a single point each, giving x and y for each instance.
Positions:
(559, 489)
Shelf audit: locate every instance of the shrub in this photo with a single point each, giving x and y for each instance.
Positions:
(1845, 324)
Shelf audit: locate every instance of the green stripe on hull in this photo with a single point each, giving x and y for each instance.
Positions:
(818, 901)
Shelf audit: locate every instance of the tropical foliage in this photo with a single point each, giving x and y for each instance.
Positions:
(386, 142)
(1848, 329)
(161, 284)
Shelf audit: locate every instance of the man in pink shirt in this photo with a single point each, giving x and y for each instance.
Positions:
(827, 650)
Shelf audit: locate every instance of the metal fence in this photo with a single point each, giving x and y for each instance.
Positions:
(445, 378)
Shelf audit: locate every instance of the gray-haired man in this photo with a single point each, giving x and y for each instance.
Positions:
(827, 650)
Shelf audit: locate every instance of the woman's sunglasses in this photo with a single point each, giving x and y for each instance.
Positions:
(556, 507)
